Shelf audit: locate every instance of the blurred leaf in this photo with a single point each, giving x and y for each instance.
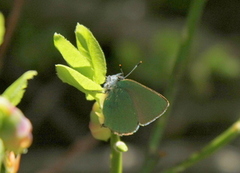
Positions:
(72, 56)
(216, 60)
(14, 92)
(200, 75)
(79, 81)
(221, 61)
(127, 48)
(2, 28)
(90, 48)
(35, 42)
(164, 46)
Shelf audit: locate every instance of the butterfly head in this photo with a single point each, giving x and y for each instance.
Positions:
(112, 80)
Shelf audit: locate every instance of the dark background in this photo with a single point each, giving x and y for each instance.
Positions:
(128, 31)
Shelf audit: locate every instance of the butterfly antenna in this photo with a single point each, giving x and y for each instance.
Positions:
(120, 66)
(140, 62)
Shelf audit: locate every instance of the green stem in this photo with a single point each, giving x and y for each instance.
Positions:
(194, 15)
(212, 147)
(116, 156)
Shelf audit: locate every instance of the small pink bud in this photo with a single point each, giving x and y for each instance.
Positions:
(15, 128)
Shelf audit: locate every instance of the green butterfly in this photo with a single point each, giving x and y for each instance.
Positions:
(129, 104)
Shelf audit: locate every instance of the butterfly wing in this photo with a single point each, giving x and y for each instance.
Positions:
(119, 113)
(148, 104)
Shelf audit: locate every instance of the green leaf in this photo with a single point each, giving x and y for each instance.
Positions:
(2, 28)
(72, 56)
(14, 92)
(79, 81)
(90, 48)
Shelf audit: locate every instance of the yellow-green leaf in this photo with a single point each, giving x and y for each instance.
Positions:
(90, 48)
(72, 56)
(14, 92)
(79, 81)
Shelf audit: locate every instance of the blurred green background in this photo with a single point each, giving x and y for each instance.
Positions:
(128, 31)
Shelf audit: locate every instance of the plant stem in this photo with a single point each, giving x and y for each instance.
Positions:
(213, 146)
(116, 156)
(194, 15)
(11, 26)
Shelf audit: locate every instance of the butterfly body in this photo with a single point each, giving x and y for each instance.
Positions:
(112, 81)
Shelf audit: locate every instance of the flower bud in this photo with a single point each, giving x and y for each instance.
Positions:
(120, 146)
(15, 128)
(96, 120)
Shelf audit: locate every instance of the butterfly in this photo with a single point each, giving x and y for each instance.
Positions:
(129, 104)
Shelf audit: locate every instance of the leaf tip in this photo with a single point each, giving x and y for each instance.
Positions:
(31, 73)
(56, 34)
(80, 27)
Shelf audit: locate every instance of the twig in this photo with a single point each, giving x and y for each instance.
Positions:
(220, 141)
(11, 26)
(194, 15)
